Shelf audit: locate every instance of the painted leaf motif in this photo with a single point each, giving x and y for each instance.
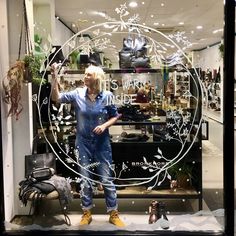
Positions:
(72, 44)
(158, 156)
(49, 39)
(34, 97)
(115, 29)
(45, 47)
(124, 166)
(96, 32)
(144, 167)
(159, 151)
(168, 176)
(45, 100)
(42, 68)
(144, 159)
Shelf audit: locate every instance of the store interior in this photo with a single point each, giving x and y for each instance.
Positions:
(170, 98)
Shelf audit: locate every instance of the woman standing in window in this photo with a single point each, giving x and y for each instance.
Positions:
(94, 116)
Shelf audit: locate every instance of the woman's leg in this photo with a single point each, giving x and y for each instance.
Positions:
(105, 175)
(85, 160)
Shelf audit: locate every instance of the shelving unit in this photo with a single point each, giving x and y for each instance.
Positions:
(128, 157)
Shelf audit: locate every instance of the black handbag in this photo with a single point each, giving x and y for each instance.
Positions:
(125, 59)
(133, 137)
(143, 62)
(134, 53)
(36, 160)
(40, 174)
(95, 59)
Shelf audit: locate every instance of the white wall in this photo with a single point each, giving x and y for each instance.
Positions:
(62, 34)
(209, 58)
(9, 192)
(22, 128)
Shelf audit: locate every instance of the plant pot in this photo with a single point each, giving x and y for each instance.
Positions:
(184, 181)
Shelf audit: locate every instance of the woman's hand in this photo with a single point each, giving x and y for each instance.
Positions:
(55, 87)
(55, 69)
(99, 129)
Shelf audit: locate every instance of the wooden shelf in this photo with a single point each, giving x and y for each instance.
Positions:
(142, 192)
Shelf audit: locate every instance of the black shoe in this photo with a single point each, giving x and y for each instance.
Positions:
(161, 214)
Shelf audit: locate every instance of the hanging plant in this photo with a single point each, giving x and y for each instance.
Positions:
(221, 50)
(12, 85)
(32, 68)
(183, 173)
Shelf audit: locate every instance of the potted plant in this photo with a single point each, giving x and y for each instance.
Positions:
(33, 68)
(182, 172)
(221, 50)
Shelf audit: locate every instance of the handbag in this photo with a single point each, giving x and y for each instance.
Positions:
(125, 59)
(39, 160)
(134, 137)
(40, 174)
(134, 53)
(143, 62)
(95, 59)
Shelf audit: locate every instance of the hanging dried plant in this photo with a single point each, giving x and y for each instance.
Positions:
(12, 85)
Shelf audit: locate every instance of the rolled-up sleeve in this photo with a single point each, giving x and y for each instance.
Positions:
(67, 97)
(111, 108)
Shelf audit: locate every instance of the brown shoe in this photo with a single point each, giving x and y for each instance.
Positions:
(86, 218)
(115, 220)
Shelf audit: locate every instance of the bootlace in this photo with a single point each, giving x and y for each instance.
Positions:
(114, 214)
(86, 214)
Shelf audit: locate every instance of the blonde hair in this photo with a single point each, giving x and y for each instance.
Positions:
(99, 76)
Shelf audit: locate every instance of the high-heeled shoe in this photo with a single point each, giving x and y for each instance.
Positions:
(153, 217)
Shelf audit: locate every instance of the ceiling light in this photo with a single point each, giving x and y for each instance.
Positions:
(156, 23)
(152, 16)
(162, 24)
(181, 23)
(80, 12)
(143, 3)
(216, 31)
(199, 27)
(103, 14)
(192, 31)
(162, 4)
(133, 4)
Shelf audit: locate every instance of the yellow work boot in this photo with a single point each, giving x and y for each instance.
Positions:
(86, 218)
(115, 220)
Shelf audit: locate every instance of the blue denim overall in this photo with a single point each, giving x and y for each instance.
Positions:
(94, 150)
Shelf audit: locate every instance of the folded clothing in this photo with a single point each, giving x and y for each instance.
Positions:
(133, 137)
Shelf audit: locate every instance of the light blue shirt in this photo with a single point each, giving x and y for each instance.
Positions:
(90, 114)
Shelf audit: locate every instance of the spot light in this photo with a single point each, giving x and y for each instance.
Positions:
(133, 4)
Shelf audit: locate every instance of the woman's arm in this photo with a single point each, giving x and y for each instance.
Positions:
(54, 84)
(100, 128)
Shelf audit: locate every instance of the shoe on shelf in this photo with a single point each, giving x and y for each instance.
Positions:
(86, 218)
(162, 215)
(153, 212)
(115, 220)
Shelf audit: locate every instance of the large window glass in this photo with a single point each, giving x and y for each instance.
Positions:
(138, 148)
